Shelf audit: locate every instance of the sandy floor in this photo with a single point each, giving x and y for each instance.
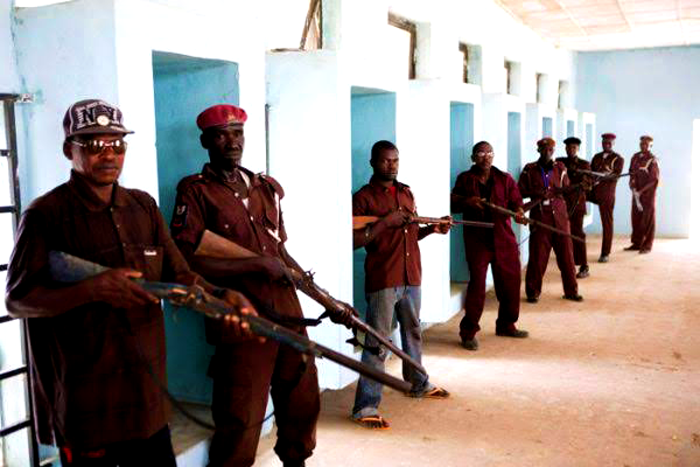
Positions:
(612, 381)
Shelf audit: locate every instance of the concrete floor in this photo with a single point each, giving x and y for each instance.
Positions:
(612, 381)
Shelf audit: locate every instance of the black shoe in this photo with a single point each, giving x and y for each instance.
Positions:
(512, 332)
(644, 252)
(573, 298)
(603, 259)
(631, 248)
(583, 272)
(470, 344)
(532, 299)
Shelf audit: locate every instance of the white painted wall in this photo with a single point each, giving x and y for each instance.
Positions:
(117, 67)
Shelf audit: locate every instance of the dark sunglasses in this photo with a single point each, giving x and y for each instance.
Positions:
(98, 146)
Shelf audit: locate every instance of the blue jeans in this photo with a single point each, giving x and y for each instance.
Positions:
(381, 305)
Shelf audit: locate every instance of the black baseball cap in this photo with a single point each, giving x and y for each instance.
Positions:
(93, 116)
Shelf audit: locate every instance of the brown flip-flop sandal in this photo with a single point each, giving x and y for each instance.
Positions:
(371, 422)
(435, 393)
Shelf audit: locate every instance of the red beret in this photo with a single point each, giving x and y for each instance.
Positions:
(546, 142)
(646, 138)
(608, 136)
(221, 115)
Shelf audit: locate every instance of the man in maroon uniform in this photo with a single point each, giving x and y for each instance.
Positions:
(244, 207)
(544, 181)
(97, 347)
(603, 193)
(575, 196)
(644, 179)
(497, 247)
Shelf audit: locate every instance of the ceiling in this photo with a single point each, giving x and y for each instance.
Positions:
(610, 24)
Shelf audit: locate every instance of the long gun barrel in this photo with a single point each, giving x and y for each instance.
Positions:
(216, 246)
(602, 174)
(537, 223)
(66, 268)
(360, 222)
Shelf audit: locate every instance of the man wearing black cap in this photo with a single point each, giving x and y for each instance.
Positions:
(603, 193)
(644, 179)
(243, 207)
(543, 182)
(575, 196)
(97, 348)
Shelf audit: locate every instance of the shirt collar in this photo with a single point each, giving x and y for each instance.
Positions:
(89, 199)
(374, 182)
(209, 172)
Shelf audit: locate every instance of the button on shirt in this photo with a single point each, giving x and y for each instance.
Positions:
(393, 257)
(207, 201)
(90, 384)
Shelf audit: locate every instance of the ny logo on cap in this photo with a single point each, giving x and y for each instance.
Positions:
(95, 113)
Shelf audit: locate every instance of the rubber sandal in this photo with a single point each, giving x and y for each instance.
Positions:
(435, 393)
(367, 422)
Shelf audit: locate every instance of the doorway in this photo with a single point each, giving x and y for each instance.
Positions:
(461, 142)
(373, 118)
(183, 87)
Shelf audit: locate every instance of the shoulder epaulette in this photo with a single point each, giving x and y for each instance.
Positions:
(190, 180)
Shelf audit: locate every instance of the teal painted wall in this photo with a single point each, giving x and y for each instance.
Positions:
(461, 142)
(647, 91)
(183, 87)
(515, 158)
(373, 118)
(570, 128)
(547, 124)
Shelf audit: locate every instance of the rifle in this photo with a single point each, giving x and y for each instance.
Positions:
(360, 222)
(66, 268)
(216, 246)
(602, 175)
(534, 222)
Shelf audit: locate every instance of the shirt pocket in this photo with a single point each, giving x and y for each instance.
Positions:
(146, 258)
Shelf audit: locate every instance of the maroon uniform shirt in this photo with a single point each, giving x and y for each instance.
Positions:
(535, 181)
(90, 385)
(393, 258)
(644, 175)
(505, 193)
(575, 199)
(604, 193)
(206, 201)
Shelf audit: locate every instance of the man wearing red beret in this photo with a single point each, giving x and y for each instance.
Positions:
(244, 207)
(544, 181)
(603, 193)
(644, 179)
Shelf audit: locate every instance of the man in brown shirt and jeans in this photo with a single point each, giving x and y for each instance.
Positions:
(94, 344)
(244, 207)
(393, 278)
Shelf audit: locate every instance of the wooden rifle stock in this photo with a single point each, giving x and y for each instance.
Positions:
(68, 269)
(360, 222)
(216, 246)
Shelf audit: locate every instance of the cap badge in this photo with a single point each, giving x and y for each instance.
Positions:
(103, 120)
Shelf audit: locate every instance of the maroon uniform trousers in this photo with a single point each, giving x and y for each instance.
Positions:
(245, 372)
(541, 244)
(496, 247)
(644, 175)
(576, 205)
(536, 182)
(603, 194)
